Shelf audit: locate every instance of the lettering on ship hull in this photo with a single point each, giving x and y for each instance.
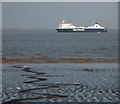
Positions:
(78, 29)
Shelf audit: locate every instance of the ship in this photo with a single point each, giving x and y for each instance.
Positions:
(69, 27)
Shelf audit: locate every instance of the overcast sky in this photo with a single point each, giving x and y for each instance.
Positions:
(59, 0)
(47, 15)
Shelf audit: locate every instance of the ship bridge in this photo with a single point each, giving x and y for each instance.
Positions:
(66, 25)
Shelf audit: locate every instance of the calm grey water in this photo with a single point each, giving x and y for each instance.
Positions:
(24, 43)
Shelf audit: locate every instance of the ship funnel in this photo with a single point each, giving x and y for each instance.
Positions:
(63, 21)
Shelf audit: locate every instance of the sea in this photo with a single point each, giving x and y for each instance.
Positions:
(19, 43)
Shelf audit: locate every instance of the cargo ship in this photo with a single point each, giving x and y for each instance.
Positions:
(69, 27)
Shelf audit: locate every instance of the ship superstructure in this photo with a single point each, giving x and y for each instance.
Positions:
(69, 27)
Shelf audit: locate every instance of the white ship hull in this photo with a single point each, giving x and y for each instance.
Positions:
(83, 30)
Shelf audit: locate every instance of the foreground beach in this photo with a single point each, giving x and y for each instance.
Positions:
(60, 82)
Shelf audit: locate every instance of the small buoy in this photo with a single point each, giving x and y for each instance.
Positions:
(98, 32)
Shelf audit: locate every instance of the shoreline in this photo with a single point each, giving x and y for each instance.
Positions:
(37, 59)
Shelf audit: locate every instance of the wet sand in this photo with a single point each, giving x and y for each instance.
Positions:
(60, 82)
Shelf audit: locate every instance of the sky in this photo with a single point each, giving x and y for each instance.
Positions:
(59, 0)
(0, 16)
(47, 15)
